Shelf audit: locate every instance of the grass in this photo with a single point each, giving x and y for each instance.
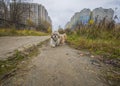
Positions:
(113, 77)
(9, 65)
(104, 43)
(13, 32)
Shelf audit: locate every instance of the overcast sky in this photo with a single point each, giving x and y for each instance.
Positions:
(61, 11)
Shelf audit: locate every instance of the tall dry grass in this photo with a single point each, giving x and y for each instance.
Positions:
(101, 40)
(14, 32)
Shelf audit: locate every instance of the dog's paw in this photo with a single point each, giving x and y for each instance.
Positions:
(53, 46)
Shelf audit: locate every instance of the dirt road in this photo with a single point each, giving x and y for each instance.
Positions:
(60, 66)
(9, 44)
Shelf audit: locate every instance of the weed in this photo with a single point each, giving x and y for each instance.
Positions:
(14, 32)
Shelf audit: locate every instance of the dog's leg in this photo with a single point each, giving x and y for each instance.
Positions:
(52, 44)
(58, 42)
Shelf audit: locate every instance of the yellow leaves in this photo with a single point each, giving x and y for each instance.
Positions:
(30, 22)
(91, 22)
(49, 30)
(13, 32)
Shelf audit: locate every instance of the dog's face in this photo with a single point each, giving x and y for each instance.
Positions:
(55, 36)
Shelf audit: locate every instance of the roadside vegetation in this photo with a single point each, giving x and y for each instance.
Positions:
(104, 41)
(15, 32)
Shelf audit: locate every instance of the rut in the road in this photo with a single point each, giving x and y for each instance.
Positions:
(60, 66)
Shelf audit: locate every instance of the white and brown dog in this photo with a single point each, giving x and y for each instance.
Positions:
(57, 39)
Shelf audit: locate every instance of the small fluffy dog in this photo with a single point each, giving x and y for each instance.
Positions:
(57, 39)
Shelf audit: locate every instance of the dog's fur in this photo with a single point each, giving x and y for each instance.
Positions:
(57, 39)
(63, 38)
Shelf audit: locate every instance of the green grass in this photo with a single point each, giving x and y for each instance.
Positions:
(9, 65)
(103, 43)
(13, 32)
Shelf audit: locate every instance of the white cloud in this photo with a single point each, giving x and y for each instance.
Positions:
(61, 11)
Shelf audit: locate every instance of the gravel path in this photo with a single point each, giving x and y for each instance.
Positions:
(9, 44)
(60, 66)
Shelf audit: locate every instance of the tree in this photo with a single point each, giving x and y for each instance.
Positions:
(30, 22)
(3, 11)
(61, 30)
(45, 26)
(17, 11)
(68, 31)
